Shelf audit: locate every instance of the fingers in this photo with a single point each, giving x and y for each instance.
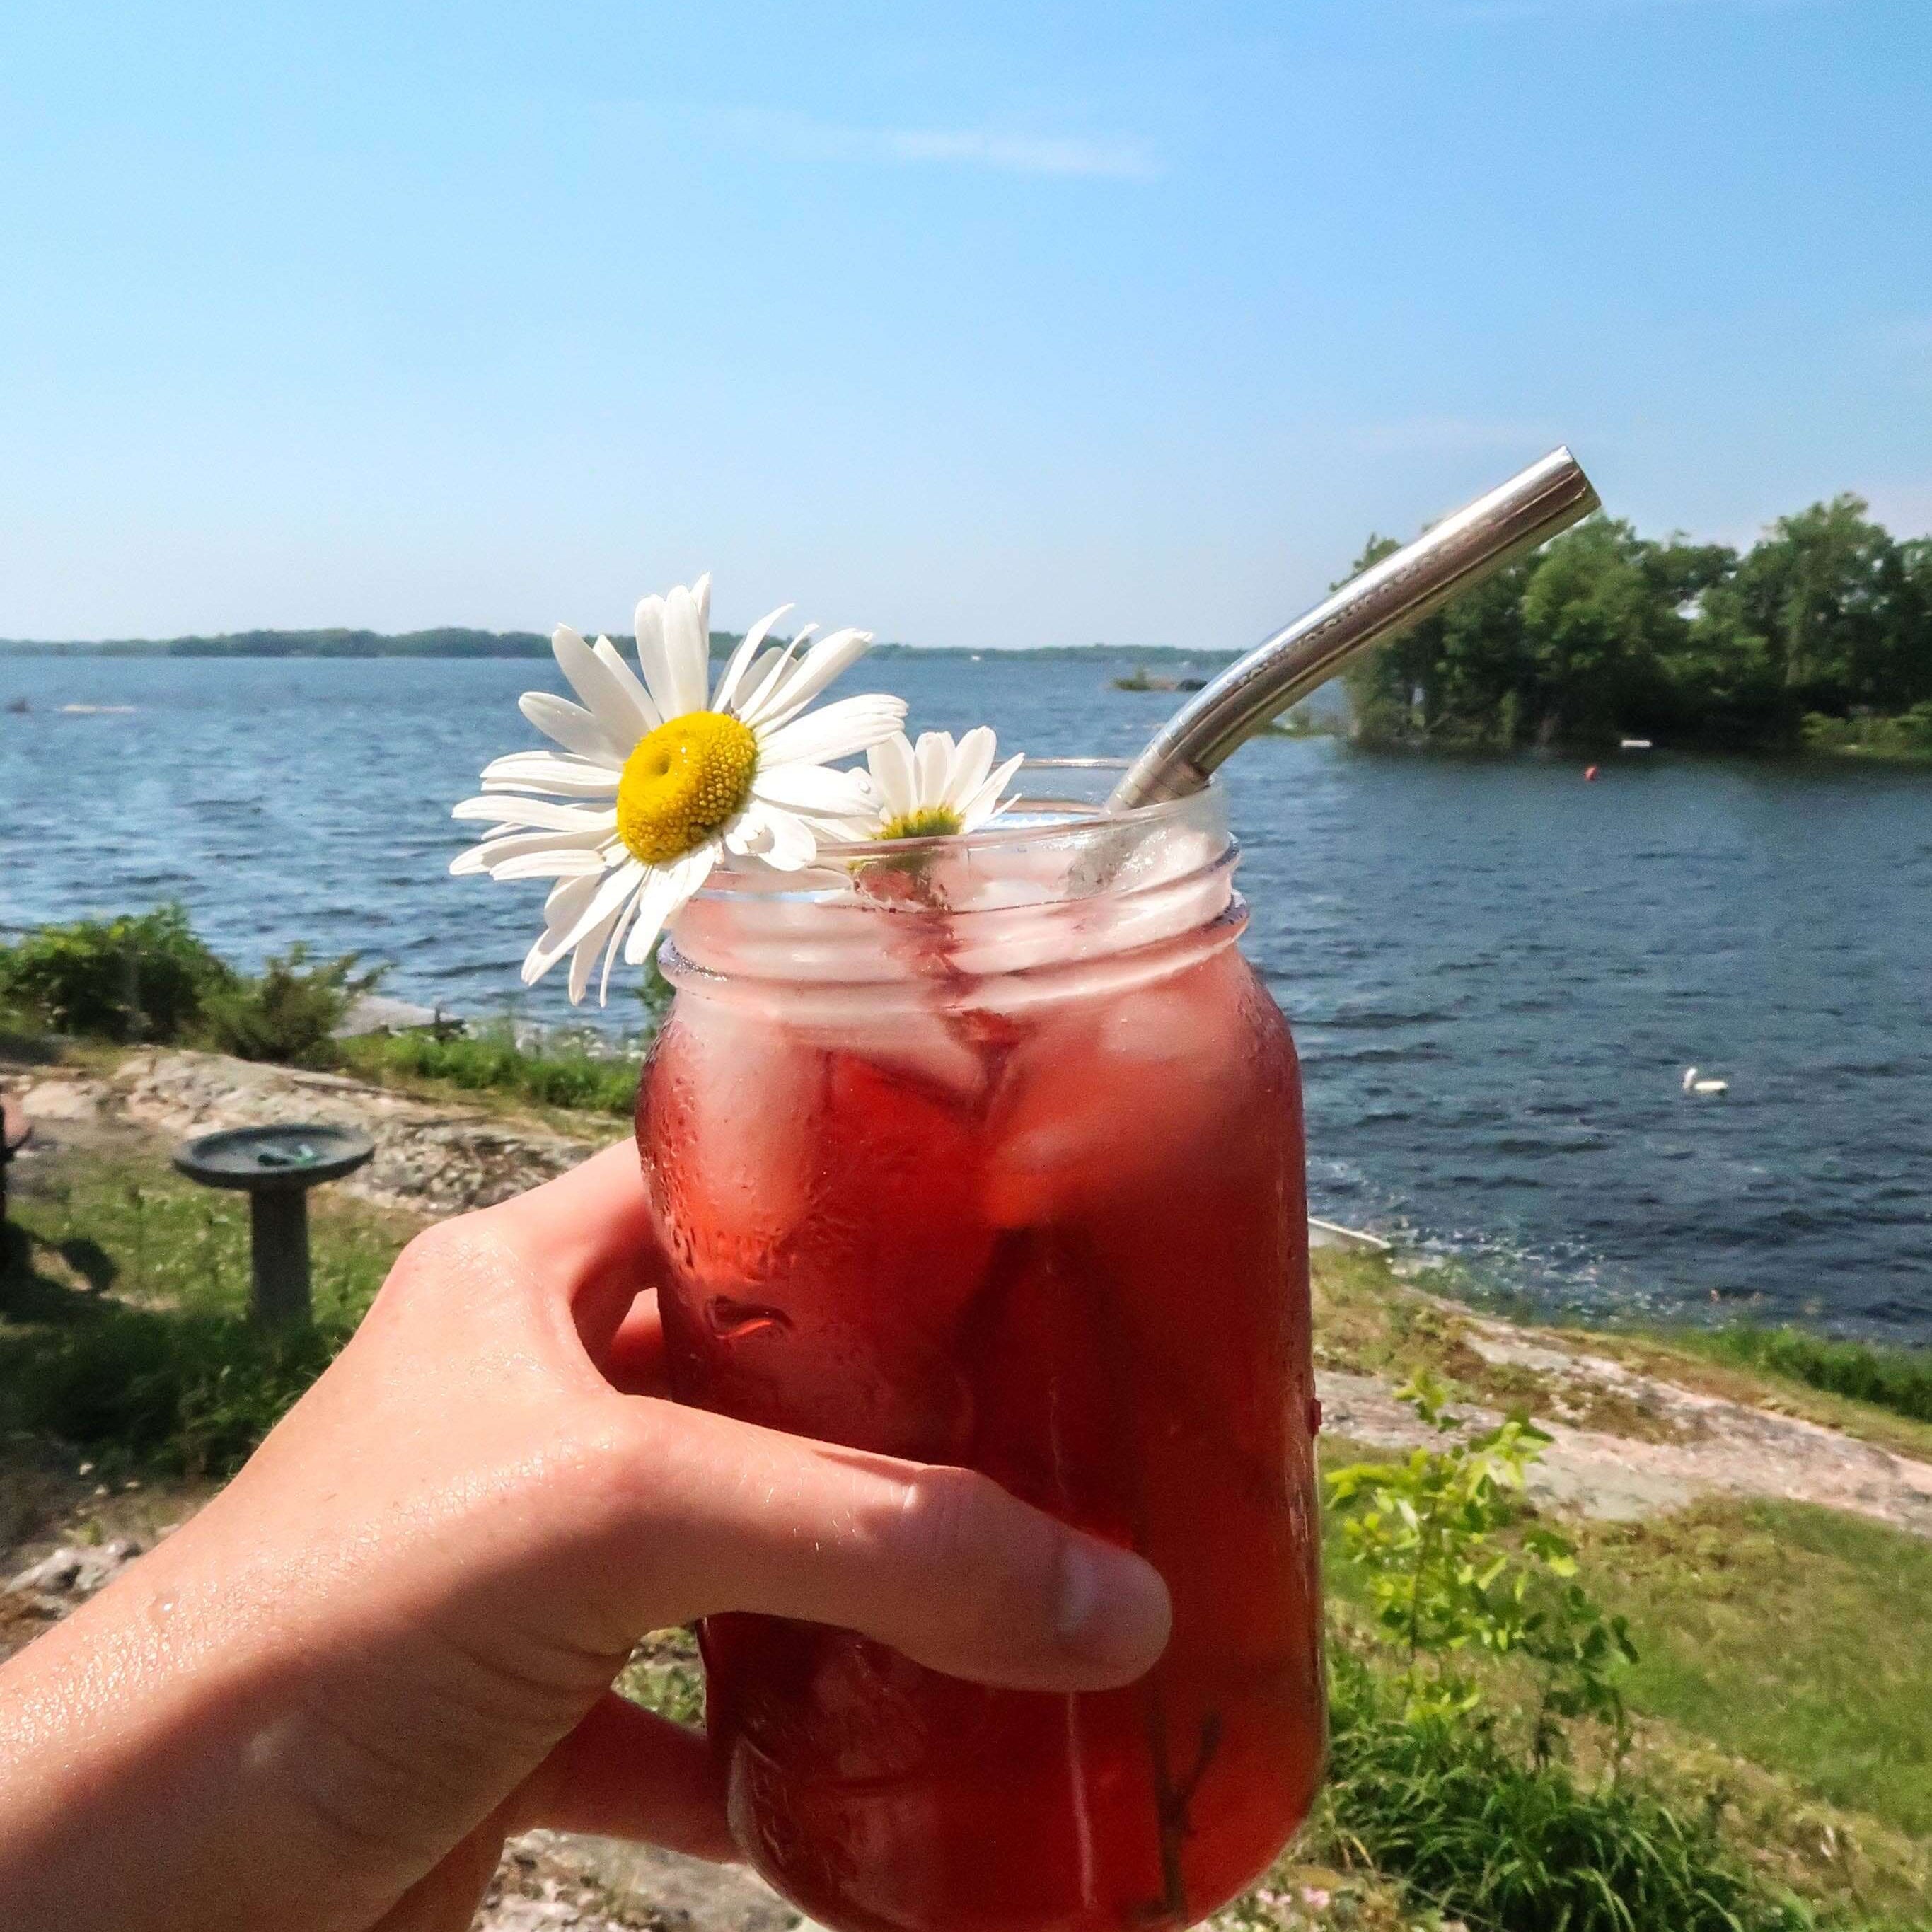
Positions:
(713, 1515)
(588, 1234)
(634, 1359)
(624, 1773)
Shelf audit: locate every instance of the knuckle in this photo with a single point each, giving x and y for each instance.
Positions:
(452, 1253)
(950, 1523)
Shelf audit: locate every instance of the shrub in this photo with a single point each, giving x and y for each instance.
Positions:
(290, 1013)
(1908, 736)
(556, 1071)
(144, 976)
(1440, 1801)
(1429, 1533)
(1896, 1378)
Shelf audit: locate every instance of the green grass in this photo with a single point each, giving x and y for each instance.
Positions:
(1477, 1832)
(1789, 1635)
(124, 1293)
(1887, 1377)
(559, 1072)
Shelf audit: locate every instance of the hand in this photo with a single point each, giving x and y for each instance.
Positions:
(325, 1701)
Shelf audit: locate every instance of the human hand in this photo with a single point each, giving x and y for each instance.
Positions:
(322, 1704)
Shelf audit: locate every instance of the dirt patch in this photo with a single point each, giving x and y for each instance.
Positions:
(1697, 1445)
(603, 1885)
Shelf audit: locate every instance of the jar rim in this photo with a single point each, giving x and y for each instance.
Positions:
(727, 881)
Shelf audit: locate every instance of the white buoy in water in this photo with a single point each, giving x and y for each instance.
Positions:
(1692, 1085)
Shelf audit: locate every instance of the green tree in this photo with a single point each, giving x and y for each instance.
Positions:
(1831, 594)
(1599, 625)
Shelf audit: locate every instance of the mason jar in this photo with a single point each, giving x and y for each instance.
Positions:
(987, 1151)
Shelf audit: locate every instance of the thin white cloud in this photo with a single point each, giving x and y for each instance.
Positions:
(1071, 156)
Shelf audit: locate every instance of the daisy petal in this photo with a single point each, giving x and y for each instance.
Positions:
(649, 625)
(793, 846)
(768, 674)
(570, 726)
(932, 761)
(594, 681)
(507, 809)
(567, 900)
(742, 657)
(558, 862)
(609, 896)
(687, 652)
(584, 961)
(612, 659)
(505, 842)
(613, 947)
(972, 760)
(665, 898)
(544, 771)
(829, 659)
(812, 788)
(981, 806)
(892, 768)
(853, 724)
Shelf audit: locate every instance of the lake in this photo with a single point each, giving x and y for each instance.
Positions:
(1497, 972)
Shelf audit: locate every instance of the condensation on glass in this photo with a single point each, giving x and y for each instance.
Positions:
(988, 1152)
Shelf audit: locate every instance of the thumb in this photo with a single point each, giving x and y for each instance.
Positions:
(713, 1515)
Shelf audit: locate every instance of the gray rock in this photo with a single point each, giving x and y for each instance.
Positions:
(76, 1570)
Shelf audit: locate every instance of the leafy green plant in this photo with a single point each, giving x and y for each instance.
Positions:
(290, 1013)
(1429, 1534)
(1438, 1798)
(141, 977)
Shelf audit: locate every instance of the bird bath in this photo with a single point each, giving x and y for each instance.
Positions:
(276, 1167)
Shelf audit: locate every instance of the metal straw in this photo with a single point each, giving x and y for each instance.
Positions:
(1459, 551)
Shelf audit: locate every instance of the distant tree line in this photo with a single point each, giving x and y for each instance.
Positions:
(449, 641)
(1819, 634)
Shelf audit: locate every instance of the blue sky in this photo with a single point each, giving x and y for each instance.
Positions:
(1010, 323)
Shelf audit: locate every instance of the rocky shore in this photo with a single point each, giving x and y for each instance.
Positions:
(1625, 1443)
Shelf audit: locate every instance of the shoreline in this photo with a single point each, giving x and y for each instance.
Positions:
(1641, 1423)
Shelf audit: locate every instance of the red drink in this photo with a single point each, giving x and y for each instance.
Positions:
(1048, 1223)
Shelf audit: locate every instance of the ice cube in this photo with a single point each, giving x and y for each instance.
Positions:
(1120, 1090)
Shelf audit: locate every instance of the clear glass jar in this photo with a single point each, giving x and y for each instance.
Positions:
(988, 1151)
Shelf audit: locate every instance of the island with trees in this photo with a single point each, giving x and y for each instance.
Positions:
(1818, 637)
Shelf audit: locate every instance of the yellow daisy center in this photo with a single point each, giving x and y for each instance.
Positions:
(927, 821)
(684, 781)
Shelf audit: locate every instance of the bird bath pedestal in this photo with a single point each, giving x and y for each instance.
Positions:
(276, 1167)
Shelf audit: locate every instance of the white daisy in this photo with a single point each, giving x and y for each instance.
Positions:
(935, 789)
(653, 785)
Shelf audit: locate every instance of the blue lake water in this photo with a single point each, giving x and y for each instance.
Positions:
(1496, 972)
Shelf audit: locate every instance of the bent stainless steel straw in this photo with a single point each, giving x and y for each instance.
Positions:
(1460, 551)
